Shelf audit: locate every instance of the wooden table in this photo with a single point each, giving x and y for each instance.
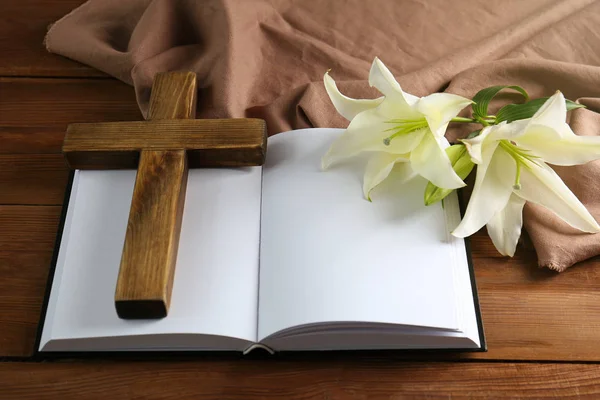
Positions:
(543, 328)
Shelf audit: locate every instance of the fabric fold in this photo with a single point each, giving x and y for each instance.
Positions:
(266, 59)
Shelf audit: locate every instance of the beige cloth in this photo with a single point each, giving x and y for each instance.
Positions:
(266, 59)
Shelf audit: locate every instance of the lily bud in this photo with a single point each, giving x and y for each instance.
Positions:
(462, 165)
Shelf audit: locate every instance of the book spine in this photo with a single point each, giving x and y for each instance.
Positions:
(258, 346)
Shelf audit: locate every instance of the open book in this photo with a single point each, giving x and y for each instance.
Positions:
(284, 256)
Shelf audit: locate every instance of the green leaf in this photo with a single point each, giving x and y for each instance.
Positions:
(513, 112)
(462, 165)
(483, 97)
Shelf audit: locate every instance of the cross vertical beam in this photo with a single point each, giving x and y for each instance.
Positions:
(147, 267)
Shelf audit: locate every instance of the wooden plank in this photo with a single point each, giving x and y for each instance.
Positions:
(531, 313)
(32, 179)
(35, 113)
(25, 140)
(323, 379)
(23, 26)
(208, 142)
(174, 96)
(49, 105)
(147, 268)
(26, 241)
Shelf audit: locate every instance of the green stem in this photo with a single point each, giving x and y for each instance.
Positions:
(462, 119)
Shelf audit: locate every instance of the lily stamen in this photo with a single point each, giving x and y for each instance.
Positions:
(517, 184)
(403, 127)
(521, 157)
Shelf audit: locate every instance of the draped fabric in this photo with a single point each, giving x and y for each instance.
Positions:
(266, 59)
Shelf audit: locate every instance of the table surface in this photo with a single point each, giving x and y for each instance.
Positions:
(542, 327)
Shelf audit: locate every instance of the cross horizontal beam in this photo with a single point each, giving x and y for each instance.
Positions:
(207, 142)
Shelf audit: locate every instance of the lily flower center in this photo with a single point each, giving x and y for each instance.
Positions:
(521, 156)
(403, 127)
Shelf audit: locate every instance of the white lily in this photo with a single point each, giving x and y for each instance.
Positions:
(512, 169)
(397, 127)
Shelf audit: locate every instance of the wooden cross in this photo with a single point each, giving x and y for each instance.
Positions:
(161, 149)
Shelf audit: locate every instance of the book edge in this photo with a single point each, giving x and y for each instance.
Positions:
(474, 289)
(53, 263)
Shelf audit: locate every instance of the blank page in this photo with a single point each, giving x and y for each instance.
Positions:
(327, 254)
(216, 276)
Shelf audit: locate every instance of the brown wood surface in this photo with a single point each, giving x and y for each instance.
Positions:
(43, 107)
(26, 240)
(356, 378)
(23, 25)
(148, 263)
(145, 280)
(32, 179)
(208, 142)
(529, 313)
(34, 114)
(174, 96)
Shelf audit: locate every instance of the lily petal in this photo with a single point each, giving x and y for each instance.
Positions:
(429, 159)
(490, 135)
(505, 226)
(378, 168)
(541, 185)
(440, 108)
(572, 150)
(402, 171)
(553, 112)
(346, 106)
(550, 121)
(381, 78)
(366, 132)
(475, 145)
(491, 191)
(510, 131)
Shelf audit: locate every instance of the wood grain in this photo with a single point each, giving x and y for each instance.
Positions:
(32, 179)
(28, 140)
(49, 105)
(209, 143)
(323, 379)
(34, 114)
(152, 239)
(26, 241)
(145, 280)
(173, 96)
(23, 25)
